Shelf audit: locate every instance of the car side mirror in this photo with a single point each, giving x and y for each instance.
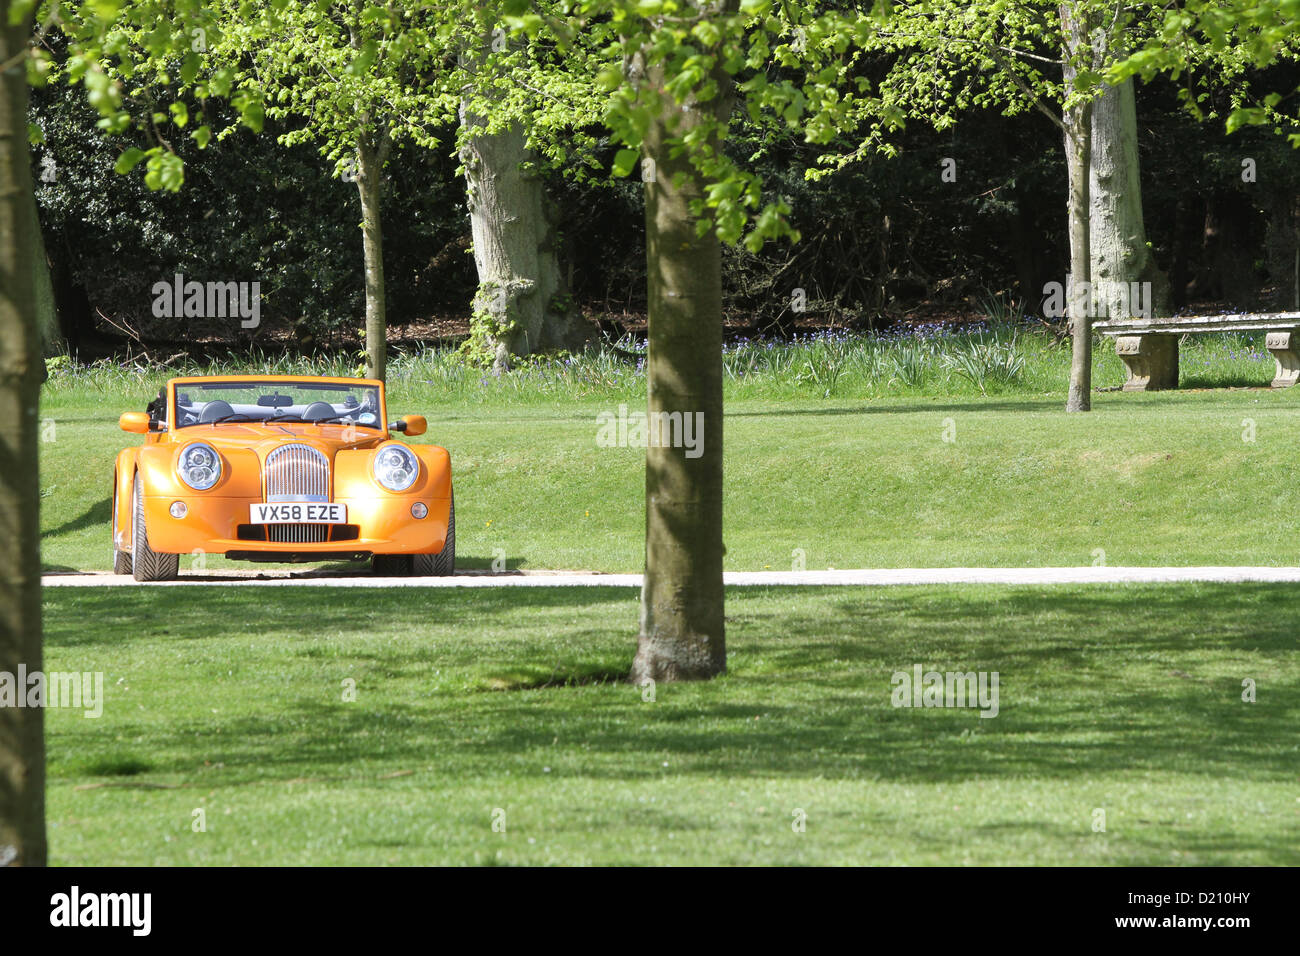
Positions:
(409, 425)
(134, 422)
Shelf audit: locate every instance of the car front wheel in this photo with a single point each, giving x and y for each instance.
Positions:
(421, 565)
(146, 563)
(444, 563)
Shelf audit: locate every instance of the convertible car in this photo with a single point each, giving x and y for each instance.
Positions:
(279, 468)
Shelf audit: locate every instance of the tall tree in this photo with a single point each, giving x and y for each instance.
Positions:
(1205, 43)
(357, 78)
(685, 67)
(1117, 240)
(682, 633)
(354, 77)
(522, 302)
(22, 741)
(522, 305)
(1044, 55)
(1076, 120)
(22, 744)
(47, 319)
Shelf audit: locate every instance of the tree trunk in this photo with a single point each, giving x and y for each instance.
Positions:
(22, 741)
(370, 186)
(47, 320)
(522, 298)
(682, 634)
(1117, 239)
(1078, 147)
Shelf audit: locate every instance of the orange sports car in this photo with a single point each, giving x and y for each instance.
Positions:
(279, 468)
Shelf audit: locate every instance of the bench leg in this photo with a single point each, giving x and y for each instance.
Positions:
(1152, 361)
(1283, 344)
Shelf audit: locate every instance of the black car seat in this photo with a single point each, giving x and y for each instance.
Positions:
(214, 410)
(318, 410)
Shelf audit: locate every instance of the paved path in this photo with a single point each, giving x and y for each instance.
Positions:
(546, 579)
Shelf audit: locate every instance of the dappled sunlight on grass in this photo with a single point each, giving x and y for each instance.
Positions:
(1128, 697)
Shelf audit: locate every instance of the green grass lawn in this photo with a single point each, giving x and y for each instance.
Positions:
(1120, 698)
(1126, 699)
(1154, 479)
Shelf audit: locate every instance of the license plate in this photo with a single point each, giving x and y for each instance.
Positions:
(299, 512)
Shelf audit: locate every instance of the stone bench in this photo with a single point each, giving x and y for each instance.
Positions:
(1149, 347)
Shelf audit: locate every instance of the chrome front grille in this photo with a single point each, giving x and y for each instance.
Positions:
(296, 473)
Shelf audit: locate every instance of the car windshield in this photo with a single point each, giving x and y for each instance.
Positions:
(214, 403)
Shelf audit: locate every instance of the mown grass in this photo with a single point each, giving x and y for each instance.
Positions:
(840, 452)
(851, 479)
(1126, 699)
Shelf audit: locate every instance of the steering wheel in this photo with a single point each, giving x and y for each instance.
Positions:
(215, 409)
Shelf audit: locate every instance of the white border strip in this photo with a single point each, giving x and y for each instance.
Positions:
(876, 577)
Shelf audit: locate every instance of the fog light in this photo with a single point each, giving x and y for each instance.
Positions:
(178, 509)
(419, 509)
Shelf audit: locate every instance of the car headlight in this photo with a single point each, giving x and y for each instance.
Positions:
(396, 467)
(199, 466)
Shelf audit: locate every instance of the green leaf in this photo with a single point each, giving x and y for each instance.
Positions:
(609, 79)
(364, 60)
(625, 162)
(166, 171)
(37, 70)
(128, 160)
(190, 68)
(1245, 117)
(221, 82)
(530, 24)
(20, 10)
(106, 10)
(252, 112)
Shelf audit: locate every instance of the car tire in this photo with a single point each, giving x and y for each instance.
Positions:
(421, 565)
(121, 559)
(146, 563)
(443, 563)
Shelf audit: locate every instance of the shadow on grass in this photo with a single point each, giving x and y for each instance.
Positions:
(100, 513)
(1093, 681)
(192, 613)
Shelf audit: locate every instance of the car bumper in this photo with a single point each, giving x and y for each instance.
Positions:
(374, 526)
